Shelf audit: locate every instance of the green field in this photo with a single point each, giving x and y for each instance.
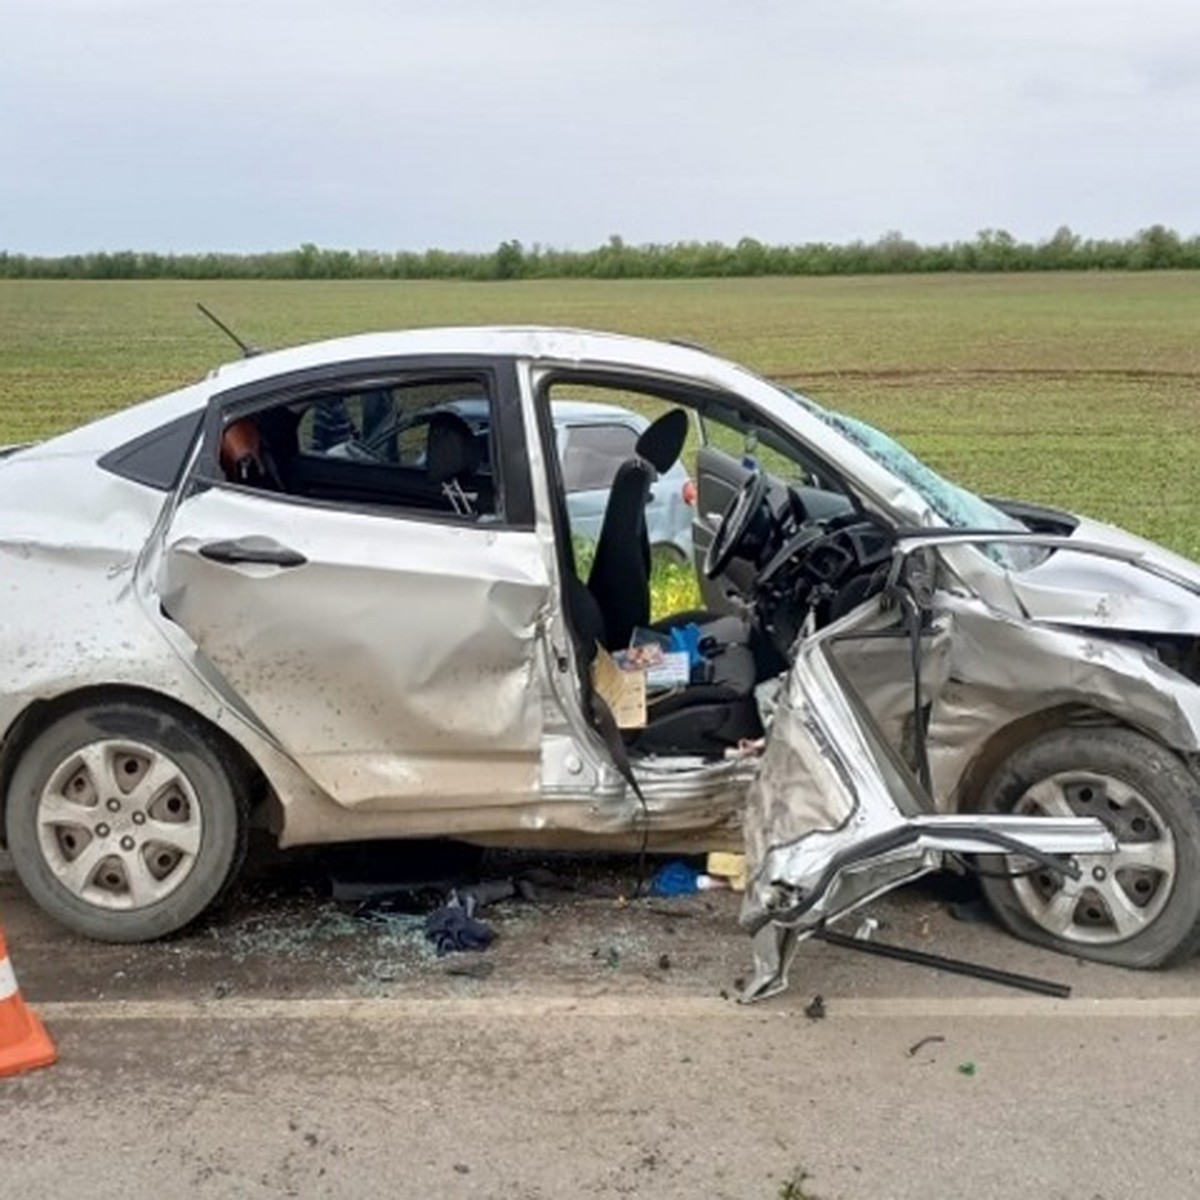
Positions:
(1078, 390)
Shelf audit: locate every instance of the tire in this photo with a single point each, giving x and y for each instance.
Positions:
(1139, 907)
(669, 554)
(123, 822)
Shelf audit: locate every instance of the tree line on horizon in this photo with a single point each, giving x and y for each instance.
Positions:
(1153, 248)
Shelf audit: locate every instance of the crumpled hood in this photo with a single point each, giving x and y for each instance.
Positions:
(1159, 592)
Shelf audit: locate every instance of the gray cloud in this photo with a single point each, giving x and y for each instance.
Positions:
(215, 124)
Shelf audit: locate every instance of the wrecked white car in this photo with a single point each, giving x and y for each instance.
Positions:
(300, 594)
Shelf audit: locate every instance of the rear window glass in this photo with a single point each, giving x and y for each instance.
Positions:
(593, 453)
(156, 459)
(414, 444)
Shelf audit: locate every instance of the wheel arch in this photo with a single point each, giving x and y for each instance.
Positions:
(1005, 741)
(41, 713)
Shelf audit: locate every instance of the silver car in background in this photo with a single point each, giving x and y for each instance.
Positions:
(593, 441)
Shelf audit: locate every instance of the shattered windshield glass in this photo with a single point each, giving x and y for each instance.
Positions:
(958, 507)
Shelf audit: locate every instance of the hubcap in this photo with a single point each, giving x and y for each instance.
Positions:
(1117, 895)
(119, 824)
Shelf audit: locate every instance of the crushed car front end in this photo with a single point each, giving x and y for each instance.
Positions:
(991, 711)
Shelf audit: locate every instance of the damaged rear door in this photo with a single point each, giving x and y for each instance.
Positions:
(380, 622)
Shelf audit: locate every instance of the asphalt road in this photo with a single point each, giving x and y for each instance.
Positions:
(294, 1047)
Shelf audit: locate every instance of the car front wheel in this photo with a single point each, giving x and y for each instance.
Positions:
(123, 822)
(1139, 907)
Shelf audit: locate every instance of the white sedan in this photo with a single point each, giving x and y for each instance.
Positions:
(300, 593)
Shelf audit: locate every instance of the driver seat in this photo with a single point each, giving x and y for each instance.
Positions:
(620, 575)
(701, 718)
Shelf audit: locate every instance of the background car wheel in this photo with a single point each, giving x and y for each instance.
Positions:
(668, 555)
(123, 823)
(1139, 907)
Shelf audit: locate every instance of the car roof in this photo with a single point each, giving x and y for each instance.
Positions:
(527, 341)
(535, 343)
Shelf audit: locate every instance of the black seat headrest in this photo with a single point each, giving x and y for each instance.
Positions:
(451, 451)
(662, 440)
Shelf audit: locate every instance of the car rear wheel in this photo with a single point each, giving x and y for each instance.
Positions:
(1139, 907)
(668, 554)
(123, 822)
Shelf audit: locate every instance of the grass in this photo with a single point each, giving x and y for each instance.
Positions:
(1077, 390)
(795, 1188)
(673, 586)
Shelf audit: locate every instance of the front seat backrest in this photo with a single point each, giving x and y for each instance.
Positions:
(452, 457)
(620, 574)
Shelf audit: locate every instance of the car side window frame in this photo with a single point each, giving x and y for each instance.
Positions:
(156, 459)
(514, 508)
(702, 401)
(734, 417)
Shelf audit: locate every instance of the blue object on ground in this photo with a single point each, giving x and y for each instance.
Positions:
(675, 879)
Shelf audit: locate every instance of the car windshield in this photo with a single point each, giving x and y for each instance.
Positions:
(956, 505)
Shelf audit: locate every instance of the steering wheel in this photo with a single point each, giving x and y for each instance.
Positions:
(735, 524)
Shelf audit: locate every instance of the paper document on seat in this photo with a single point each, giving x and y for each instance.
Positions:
(623, 691)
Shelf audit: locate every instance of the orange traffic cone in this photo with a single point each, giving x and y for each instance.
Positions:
(24, 1043)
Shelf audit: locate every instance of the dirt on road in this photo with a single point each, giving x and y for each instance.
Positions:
(299, 1045)
(587, 926)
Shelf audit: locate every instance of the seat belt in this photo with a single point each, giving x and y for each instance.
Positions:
(605, 725)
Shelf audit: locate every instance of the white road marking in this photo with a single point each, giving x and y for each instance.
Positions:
(645, 1007)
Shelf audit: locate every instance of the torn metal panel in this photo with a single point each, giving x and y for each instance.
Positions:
(1004, 667)
(1002, 671)
(982, 671)
(879, 672)
(834, 820)
(1096, 578)
(399, 677)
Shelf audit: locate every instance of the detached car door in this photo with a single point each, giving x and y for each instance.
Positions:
(371, 594)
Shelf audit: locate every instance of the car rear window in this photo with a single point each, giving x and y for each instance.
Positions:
(156, 459)
(593, 453)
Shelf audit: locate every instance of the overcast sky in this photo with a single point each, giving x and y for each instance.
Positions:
(182, 125)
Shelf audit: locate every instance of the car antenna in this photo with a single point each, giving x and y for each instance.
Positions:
(248, 351)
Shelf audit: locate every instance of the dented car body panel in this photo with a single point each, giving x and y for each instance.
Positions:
(387, 636)
(402, 661)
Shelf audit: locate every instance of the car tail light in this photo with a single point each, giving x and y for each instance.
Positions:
(689, 492)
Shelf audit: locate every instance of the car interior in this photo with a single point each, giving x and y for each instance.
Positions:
(428, 447)
(783, 537)
(395, 447)
(716, 709)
